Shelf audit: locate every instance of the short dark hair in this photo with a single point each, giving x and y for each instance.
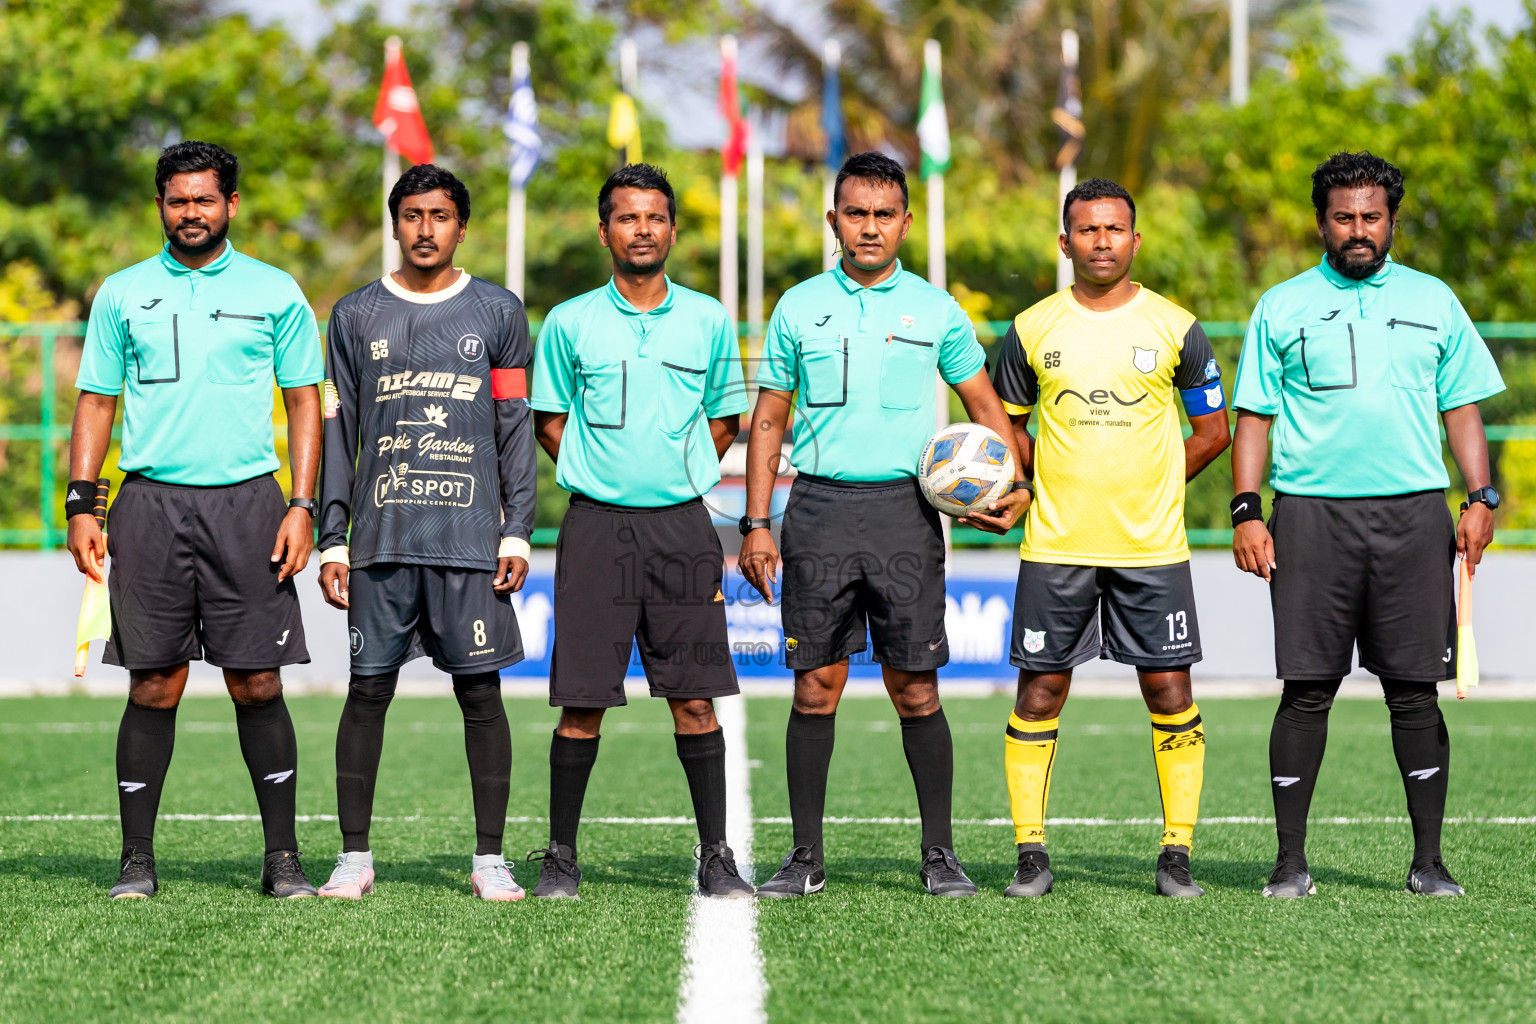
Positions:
(424, 178)
(190, 157)
(1097, 188)
(871, 166)
(646, 177)
(1356, 170)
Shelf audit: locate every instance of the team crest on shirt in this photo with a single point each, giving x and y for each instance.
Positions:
(1144, 359)
(1034, 640)
(907, 322)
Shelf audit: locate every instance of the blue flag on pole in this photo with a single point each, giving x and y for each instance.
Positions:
(832, 116)
(521, 127)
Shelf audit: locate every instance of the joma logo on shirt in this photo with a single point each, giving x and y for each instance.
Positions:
(460, 386)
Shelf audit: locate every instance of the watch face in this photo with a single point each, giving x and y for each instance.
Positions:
(1491, 496)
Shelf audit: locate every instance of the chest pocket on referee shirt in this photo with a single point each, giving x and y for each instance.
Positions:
(1327, 353)
(824, 372)
(154, 351)
(1414, 349)
(239, 347)
(906, 372)
(682, 396)
(605, 394)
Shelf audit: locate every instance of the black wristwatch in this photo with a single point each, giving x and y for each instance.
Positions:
(309, 505)
(1023, 485)
(1487, 495)
(748, 524)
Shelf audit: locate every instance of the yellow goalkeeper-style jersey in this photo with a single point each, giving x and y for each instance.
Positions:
(1109, 455)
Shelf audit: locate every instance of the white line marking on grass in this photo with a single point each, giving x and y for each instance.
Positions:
(735, 838)
(723, 971)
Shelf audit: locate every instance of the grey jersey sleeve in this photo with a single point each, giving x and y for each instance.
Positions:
(516, 456)
(339, 401)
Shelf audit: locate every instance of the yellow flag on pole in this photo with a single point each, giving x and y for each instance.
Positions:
(624, 127)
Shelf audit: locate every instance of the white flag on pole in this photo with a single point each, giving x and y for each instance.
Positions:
(521, 127)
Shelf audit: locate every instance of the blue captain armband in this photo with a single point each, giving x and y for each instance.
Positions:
(1205, 399)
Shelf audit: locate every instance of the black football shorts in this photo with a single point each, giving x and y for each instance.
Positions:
(652, 575)
(399, 612)
(1148, 616)
(192, 577)
(862, 559)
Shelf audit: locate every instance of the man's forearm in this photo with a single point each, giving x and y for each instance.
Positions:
(1469, 444)
(303, 407)
(765, 444)
(91, 434)
(1250, 449)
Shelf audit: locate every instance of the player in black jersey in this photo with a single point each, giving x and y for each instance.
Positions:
(429, 457)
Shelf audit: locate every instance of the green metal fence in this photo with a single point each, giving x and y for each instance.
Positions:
(52, 428)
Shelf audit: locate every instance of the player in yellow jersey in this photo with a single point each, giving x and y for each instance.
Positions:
(1100, 365)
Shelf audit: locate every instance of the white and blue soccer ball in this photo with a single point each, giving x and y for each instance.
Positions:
(963, 467)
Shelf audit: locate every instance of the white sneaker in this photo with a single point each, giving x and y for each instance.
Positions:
(491, 879)
(352, 878)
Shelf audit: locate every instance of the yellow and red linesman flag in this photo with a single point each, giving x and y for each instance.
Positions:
(735, 148)
(95, 622)
(1068, 113)
(1466, 648)
(397, 113)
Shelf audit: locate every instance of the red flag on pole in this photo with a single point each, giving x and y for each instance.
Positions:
(397, 114)
(735, 148)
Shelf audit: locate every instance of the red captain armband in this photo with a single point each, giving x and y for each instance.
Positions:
(509, 384)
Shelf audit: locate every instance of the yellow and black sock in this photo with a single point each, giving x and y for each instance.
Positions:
(1030, 749)
(1178, 747)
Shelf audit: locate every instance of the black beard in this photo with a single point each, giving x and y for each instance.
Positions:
(1358, 271)
(213, 241)
(642, 269)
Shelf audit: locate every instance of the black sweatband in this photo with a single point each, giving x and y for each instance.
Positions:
(80, 499)
(1247, 506)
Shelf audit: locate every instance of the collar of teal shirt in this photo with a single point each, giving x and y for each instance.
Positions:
(1338, 280)
(853, 287)
(624, 306)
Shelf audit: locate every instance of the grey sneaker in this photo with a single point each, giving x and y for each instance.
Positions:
(1290, 880)
(1033, 877)
(136, 880)
(559, 874)
(1430, 878)
(282, 877)
(1173, 877)
(800, 875)
(942, 874)
(718, 876)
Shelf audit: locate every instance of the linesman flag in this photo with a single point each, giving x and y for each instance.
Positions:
(521, 127)
(1068, 113)
(832, 115)
(933, 124)
(397, 113)
(95, 622)
(732, 108)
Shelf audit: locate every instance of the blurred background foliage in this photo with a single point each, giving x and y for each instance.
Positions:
(91, 89)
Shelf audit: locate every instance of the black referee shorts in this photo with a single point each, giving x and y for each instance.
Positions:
(192, 577)
(652, 575)
(1376, 572)
(862, 558)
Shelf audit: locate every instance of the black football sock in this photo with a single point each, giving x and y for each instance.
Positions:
(359, 741)
(488, 744)
(703, 757)
(144, 742)
(1423, 750)
(808, 756)
(272, 757)
(1296, 743)
(570, 765)
(930, 754)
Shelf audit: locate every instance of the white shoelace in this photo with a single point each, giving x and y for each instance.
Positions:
(348, 872)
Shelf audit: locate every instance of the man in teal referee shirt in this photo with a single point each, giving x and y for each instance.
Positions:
(204, 548)
(853, 352)
(1355, 364)
(637, 392)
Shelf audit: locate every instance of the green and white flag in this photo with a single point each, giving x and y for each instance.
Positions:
(932, 124)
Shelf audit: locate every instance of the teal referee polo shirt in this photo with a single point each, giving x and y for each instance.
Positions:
(862, 362)
(194, 353)
(639, 390)
(1356, 374)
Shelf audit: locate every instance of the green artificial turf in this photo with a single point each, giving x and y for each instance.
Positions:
(209, 948)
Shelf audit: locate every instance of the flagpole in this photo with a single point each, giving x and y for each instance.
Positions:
(831, 58)
(730, 291)
(754, 242)
(1068, 179)
(937, 271)
(517, 200)
(1239, 47)
(391, 251)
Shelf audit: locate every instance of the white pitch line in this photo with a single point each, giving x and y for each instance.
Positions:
(723, 970)
(735, 837)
